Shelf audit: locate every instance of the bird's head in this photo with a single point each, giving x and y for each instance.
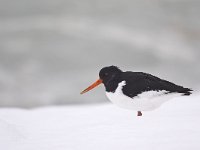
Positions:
(105, 75)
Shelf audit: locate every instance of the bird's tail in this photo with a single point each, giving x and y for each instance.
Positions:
(186, 91)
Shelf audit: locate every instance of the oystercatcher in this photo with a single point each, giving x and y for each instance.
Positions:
(137, 90)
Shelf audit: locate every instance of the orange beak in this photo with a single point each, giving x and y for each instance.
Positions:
(92, 86)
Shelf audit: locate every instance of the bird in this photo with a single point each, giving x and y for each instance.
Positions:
(137, 91)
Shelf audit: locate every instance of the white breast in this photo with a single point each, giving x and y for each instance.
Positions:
(145, 101)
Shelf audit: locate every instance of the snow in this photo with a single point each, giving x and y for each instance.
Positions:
(175, 125)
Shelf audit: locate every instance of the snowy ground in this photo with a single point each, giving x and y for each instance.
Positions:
(176, 125)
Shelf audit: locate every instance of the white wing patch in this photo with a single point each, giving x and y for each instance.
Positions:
(145, 101)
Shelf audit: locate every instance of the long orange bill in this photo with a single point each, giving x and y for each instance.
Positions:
(92, 86)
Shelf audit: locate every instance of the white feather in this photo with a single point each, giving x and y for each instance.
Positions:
(145, 101)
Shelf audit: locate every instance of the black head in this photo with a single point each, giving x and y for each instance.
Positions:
(108, 73)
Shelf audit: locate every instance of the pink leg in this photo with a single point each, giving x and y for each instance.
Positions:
(139, 113)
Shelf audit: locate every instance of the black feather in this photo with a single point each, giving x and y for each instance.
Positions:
(138, 82)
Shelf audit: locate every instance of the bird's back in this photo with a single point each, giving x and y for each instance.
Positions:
(138, 82)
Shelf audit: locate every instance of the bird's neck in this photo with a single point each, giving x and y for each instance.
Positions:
(112, 84)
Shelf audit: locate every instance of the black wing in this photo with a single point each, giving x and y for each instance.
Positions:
(138, 82)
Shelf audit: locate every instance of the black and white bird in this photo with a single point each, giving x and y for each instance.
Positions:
(137, 90)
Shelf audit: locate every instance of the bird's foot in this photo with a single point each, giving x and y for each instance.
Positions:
(139, 113)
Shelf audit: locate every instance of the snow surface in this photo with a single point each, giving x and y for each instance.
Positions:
(175, 125)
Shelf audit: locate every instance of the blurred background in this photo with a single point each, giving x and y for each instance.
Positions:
(50, 50)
